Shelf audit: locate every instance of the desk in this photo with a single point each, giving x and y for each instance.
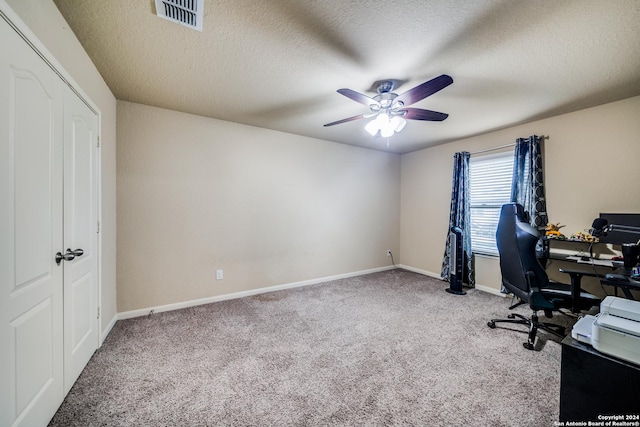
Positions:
(576, 275)
(593, 383)
(626, 287)
(576, 286)
(576, 279)
(566, 246)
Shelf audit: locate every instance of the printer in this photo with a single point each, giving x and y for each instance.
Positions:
(614, 331)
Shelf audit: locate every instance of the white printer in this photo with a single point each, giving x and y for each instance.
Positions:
(614, 331)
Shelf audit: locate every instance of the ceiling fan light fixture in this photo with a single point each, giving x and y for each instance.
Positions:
(385, 125)
(389, 107)
(372, 127)
(397, 123)
(386, 132)
(382, 120)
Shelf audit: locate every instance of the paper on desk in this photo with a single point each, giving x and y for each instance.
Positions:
(600, 262)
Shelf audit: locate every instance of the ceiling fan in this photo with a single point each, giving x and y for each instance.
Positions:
(391, 110)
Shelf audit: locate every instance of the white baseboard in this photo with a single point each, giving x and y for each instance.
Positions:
(482, 288)
(108, 329)
(419, 271)
(490, 290)
(242, 294)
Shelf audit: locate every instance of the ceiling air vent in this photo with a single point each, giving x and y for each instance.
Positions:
(186, 12)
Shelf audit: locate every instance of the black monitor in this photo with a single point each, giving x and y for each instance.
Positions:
(618, 237)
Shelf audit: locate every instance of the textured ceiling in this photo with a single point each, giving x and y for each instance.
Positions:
(277, 64)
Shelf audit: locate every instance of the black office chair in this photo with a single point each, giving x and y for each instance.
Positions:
(524, 277)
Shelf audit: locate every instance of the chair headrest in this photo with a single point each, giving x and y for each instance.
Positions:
(513, 209)
(516, 211)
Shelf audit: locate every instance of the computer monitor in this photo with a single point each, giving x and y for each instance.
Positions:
(618, 237)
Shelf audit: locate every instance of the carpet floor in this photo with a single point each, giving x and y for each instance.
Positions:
(389, 348)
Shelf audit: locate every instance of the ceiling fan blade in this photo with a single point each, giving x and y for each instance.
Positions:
(358, 97)
(420, 114)
(425, 89)
(348, 119)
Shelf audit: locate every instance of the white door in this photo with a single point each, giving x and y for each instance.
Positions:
(31, 283)
(48, 235)
(80, 236)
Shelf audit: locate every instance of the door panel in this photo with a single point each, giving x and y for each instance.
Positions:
(31, 284)
(33, 345)
(80, 232)
(32, 183)
(83, 315)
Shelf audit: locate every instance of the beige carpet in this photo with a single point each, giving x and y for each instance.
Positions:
(390, 348)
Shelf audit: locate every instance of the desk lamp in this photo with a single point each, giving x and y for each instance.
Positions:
(629, 250)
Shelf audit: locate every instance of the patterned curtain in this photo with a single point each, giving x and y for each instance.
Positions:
(460, 217)
(527, 188)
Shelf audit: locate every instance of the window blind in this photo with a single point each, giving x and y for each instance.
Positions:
(490, 187)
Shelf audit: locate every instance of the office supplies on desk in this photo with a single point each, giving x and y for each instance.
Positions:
(587, 260)
(614, 331)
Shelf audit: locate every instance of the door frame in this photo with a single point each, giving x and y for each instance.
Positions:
(15, 22)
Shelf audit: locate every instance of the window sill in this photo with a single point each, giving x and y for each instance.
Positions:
(486, 255)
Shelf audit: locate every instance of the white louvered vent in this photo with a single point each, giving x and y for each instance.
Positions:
(186, 12)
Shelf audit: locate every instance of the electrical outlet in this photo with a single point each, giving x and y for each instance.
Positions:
(388, 252)
(219, 274)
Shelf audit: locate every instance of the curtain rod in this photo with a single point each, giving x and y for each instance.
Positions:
(513, 144)
(494, 148)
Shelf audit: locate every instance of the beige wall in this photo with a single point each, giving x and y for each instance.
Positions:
(591, 166)
(197, 194)
(272, 208)
(44, 19)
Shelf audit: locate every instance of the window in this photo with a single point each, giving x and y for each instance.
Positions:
(490, 187)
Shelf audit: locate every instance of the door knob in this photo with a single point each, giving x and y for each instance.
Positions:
(68, 255)
(77, 252)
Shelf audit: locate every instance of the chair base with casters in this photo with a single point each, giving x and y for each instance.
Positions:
(550, 299)
(526, 279)
(533, 323)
